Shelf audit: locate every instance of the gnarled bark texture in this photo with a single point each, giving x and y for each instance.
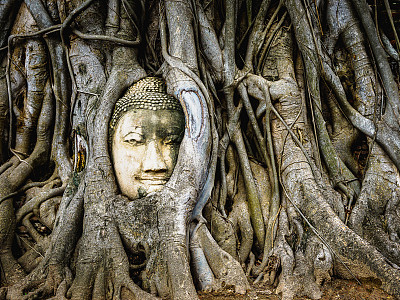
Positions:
(287, 175)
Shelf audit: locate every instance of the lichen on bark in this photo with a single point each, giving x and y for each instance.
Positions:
(287, 173)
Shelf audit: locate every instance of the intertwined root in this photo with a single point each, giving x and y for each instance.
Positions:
(275, 207)
(217, 269)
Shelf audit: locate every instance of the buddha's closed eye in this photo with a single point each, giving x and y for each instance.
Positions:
(147, 128)
(134, 139)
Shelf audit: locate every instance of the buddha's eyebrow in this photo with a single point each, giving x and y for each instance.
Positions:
(132, 129)
(172, 132)
(173, 129)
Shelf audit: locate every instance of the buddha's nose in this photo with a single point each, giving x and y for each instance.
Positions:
(153, 159)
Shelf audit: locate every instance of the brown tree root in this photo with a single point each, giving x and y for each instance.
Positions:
(104, 273)
(296, 273)
(362, 258)
(14, 178)
(227, 230)
(226, 270)
(379, 190)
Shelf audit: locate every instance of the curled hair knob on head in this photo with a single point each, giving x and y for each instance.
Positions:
(148, 93)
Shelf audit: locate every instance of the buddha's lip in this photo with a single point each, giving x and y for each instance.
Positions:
(154, 181)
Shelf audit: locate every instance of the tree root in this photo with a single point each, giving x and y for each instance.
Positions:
(378, 192)
(296, 276)
(226, 230)
(227, 271)
(34, 255)
(35, 286)
(365, 259)
(35, 202)
(110, 243)
(392, 215)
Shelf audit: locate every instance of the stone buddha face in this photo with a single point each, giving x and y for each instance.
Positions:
(145, 141)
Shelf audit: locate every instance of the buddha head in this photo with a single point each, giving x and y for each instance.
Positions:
(146, 129)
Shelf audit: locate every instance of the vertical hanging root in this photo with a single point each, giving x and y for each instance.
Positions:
(13, 180)
(202, 273)
(252, 195)
(226, 270)
(362, 258)
(229, 69)
(383, 66)
(393, 218)
(36, 76)
(226, 230)
(11, 271)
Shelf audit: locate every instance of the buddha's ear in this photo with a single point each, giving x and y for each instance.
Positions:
(197, 158)
(195, 112)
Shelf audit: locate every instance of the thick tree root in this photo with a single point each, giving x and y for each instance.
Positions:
(110, 243)
(363, 259)
(227, 271)
(296, 277)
